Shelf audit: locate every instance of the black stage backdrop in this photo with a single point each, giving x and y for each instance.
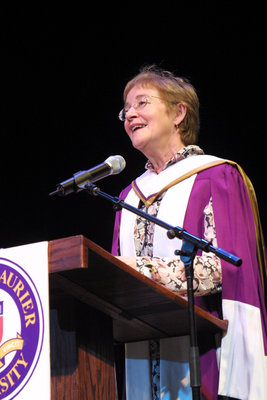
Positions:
(63, 73)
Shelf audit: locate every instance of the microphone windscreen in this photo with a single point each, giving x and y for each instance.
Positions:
(116, 163)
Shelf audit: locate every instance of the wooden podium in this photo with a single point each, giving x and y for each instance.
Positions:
(97, 303)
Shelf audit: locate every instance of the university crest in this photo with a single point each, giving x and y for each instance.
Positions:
(21, 328)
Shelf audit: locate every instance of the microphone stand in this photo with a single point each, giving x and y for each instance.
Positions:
(189, 249)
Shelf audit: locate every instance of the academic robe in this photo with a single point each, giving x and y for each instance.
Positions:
(237, 365)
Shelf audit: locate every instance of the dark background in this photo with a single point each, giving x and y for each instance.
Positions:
(63, 71)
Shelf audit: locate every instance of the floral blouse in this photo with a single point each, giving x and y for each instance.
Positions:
(169, 271)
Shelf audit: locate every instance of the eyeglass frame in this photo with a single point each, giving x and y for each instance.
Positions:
(137, 106)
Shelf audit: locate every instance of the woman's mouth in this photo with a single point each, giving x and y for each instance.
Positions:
(136, 127)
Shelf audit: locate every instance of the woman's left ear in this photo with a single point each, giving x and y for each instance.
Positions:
(181, 110)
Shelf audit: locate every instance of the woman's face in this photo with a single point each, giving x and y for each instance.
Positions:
(147, 121)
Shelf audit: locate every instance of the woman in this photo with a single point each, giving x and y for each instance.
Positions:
(210, 198)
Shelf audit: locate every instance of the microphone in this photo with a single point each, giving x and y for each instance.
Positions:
(111, 166)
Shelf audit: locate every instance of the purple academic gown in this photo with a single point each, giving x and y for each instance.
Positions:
(234, 223)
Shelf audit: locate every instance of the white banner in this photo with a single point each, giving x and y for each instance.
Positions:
(24, 323)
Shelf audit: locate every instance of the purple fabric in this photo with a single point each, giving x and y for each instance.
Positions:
(236, 234)
(234, 228)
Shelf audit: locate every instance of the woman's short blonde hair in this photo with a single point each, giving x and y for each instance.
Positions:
(172, 90)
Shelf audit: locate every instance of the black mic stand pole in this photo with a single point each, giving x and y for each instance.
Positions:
(187, 253)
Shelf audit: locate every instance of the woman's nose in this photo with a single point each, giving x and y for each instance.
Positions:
(131, 113)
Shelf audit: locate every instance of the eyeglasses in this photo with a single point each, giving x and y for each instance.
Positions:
(139, 105)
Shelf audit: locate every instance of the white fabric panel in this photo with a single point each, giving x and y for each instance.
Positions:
(138, 371)
(241, 375)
